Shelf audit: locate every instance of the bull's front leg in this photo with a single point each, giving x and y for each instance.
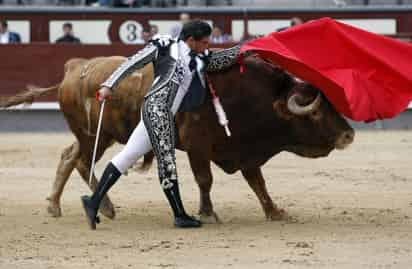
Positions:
(256, 181)
(68, 160)
(203, 175)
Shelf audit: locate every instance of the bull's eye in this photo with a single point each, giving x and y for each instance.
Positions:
(315, 114)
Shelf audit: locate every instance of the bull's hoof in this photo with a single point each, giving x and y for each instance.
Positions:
(210, 219)
(277, 214)
(107, 208)
(54, 209)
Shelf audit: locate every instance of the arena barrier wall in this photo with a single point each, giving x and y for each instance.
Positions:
(107, 32)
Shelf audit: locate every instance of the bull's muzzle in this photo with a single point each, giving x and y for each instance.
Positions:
(345, 139)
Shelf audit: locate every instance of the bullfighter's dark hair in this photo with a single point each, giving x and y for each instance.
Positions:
(197, 29)
(3, 23)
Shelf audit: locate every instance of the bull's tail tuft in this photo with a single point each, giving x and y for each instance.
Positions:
(26, 97)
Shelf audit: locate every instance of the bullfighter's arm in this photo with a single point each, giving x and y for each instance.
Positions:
(223, 59)
(144, 56)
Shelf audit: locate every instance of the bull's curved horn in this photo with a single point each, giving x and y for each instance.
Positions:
(300, 110)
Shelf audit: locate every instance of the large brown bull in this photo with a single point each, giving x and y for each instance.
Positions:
(269, 112)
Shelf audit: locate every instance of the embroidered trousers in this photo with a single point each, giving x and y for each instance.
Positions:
(155, 131)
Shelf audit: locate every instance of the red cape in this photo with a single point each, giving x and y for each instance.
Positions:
(364, 75)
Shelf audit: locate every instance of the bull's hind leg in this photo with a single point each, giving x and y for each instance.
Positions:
(106, 206)
(84, 164)
(203, 175)
(66, 165)
(257, 183)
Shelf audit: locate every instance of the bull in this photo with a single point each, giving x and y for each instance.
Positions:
(269, 110)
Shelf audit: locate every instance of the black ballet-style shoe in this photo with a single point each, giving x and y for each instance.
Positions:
(91, 212)
(186, 221)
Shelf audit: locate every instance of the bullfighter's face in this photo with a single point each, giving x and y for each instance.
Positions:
(199, 46)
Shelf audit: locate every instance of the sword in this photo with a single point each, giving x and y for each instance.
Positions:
(99, 125)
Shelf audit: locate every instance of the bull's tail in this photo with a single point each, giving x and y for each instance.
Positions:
(26, 97)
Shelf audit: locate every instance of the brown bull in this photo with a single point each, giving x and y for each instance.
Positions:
(269, 112)
(76, 96)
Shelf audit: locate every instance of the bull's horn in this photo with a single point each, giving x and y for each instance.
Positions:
(297, 109)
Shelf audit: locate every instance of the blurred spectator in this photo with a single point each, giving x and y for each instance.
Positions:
(7, 37)
(175, 30)
(217, 37)
(68, 36)
(163, 3)
(154, 30)
(102, 3)
(149, 32)
(293, 22)
(124, 3)
(146, 34)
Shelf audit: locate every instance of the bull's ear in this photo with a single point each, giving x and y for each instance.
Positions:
(281, 110)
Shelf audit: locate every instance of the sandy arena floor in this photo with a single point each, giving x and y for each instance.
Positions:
(351, 210)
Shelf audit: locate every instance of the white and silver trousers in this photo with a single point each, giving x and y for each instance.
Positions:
(155, 131)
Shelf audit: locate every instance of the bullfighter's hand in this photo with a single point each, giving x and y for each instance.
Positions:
(205, 57)
(103, 93)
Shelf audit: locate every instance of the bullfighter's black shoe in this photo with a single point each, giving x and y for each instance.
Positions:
(91, 212)
(182, 220)
(187, 222)
(91, 204)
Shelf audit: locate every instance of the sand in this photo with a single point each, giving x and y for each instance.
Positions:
(352, 209)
